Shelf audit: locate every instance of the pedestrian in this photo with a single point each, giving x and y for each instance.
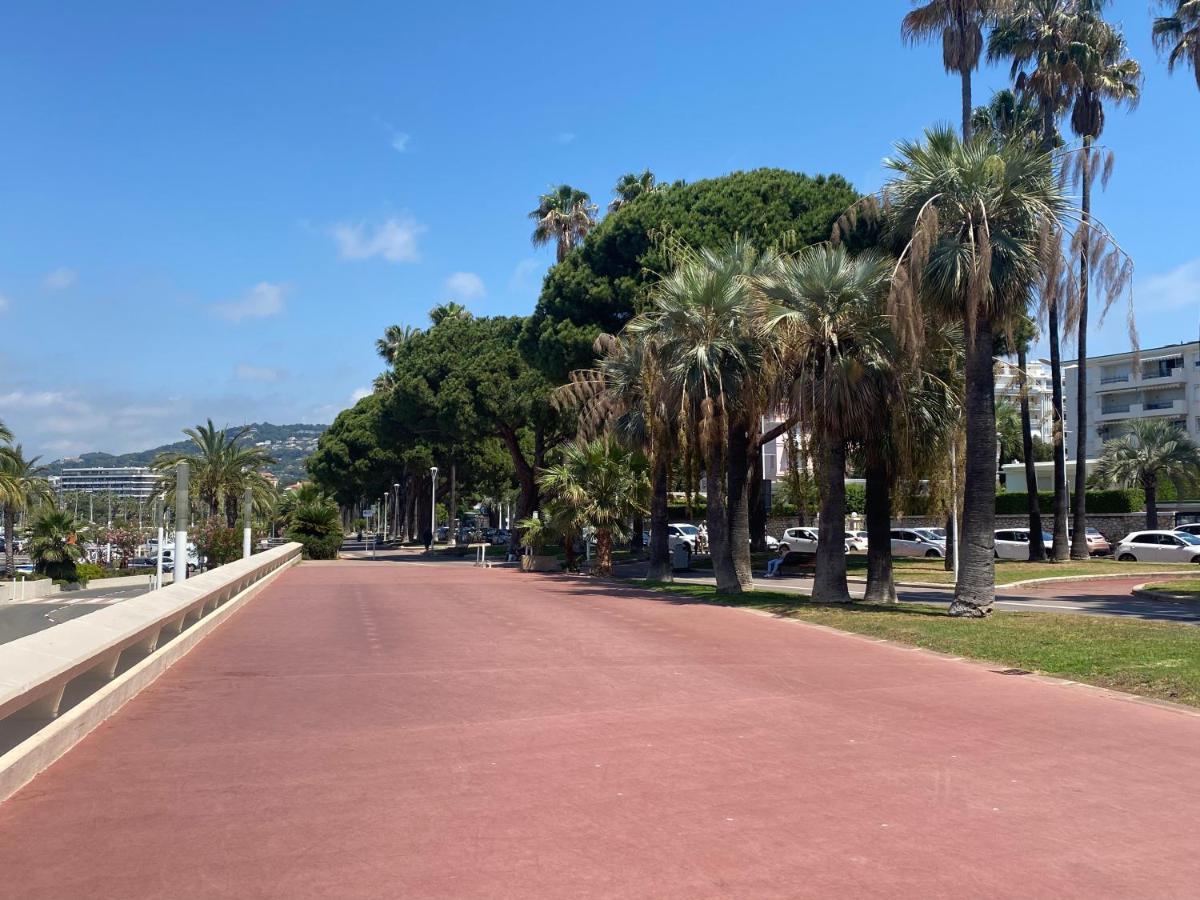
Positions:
(774, 564)
(427, 539)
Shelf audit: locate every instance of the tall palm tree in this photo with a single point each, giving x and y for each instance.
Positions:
(1153, 451)
(1106, 73)
(448, 310)
(959, 24)
(22, 486)
(630, 186)
(604, 486)
(52, 544)
(696, 322)
(1041, 37)
(1179, 33)
(563, 217)
(827, 308)
(395, 337)
(222, 467)
(977, 215)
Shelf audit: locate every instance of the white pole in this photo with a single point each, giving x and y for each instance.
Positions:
(433, 470)
(158, 520)
(954, 501)
(182, 504)
(247, 506)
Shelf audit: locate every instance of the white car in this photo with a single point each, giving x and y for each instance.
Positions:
(856, 542)
(917, 542)
(1158, 546)
(1193, 528)
(682, 531)
(1013, 543)
(805, 540)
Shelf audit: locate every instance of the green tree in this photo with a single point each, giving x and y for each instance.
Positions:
(1106, 73)
(221, 467)
(52, 544)
(630, 186)
(22, 486)
(602, 285)
(977, 215)
(317, 525)
(563, 217)
(395, 337)
(959, 24)
(603, 485)
(1008, 427)
(1178, 32)
(826, 308)
(1152, 452)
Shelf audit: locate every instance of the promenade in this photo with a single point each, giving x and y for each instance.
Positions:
(413, 729)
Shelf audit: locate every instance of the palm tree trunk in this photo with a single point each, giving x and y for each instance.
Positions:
(739, 504)
(660, 550)
(880, 586)
(1150, 488)
(1061, 550)
(975, 591)
(965, 75)
(829, 584)
(603, 552)
(1037, 549)
(10, 550)
(1079, 547)
(758, 506)
(717, 519)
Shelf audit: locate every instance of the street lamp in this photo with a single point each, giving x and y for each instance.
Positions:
(396, 511)
(433, 505)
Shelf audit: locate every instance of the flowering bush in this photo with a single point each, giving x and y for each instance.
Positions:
(218, 544)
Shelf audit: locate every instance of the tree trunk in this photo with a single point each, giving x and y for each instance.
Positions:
(739, 504)
(758, 504)
(965, 74)
(1037, 549)
(717, 519)
(1079, 546)
(660, 550)
(527, 500)
(975, 591)
(880, 586)
(1061, 549)
(1150, 488)
(452, 531)
(569, 552)
(829, 585)
(603, 552)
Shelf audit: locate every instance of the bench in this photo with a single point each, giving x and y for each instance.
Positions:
(797, 562)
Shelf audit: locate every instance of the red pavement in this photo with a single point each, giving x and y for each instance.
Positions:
(395, 730)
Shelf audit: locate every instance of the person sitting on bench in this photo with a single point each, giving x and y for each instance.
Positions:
(774, 564)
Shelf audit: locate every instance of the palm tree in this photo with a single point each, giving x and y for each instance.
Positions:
(222, 467)
(977, 215)
(448, 310)
(696, 323)
(603, 486)
(1041, 39)
(52, 544)
(629, 187)
(395, 337)
(22, 486)
(1106, 73)
(959, 24)
(827, 308)
(564, 216)
(1153, 451)
(1179, 33)
(1007, 115)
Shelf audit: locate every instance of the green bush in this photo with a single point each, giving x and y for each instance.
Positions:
(678, 512)
(218, 544)
(1117, 500)
(86, 571)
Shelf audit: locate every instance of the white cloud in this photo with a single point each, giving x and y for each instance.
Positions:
(465, 286)
(1177, 289)
(522, 276)
(60, 279)
(395, 239)
(33, 399)
(360, 393)
(400, 141)
(4, 304)
(565, 137)
(247, 372)
(262, 300)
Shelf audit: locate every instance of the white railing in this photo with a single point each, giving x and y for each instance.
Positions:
(35, 670)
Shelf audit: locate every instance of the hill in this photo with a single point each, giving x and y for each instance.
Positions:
(291, 445)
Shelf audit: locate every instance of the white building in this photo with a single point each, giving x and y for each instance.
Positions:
(1039, 388)
(123, 481)
(1163, 382)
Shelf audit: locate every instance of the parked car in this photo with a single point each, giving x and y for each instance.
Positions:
(1013, 543)
(1192, 528)
(856, 542)
(772, 543)
(1159, 546)
(1098, 544)
(804, 540)
(682, 531)
(917, 542)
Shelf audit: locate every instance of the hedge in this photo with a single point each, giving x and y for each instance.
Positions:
(1121, 500)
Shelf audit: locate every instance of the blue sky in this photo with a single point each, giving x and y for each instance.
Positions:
(214, 210)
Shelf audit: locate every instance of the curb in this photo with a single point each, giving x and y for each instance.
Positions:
(1142, 592)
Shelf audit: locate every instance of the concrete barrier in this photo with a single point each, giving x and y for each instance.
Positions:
(27, 589)
(37, 670)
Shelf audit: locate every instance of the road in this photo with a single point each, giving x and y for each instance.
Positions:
(365, 730)
(28, 616)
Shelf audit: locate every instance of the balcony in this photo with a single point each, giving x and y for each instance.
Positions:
(1164, 407)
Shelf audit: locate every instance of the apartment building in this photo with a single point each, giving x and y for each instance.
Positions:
(1160, 382)
(1039, 389)
(121, 481)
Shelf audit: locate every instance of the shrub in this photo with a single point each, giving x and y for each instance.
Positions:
(218, 544)
(1099, 502)
(317, 526)
(86, 571)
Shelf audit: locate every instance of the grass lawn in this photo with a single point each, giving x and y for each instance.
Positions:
(1154, 659)
(1185, 586)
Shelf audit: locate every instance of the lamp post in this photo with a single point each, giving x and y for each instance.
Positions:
(396, 511)
(181, 521)
(433, 470)
(247, 509)
(158, 521)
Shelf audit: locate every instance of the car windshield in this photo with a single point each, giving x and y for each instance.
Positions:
(929, 534)
(1188, 538)
(688, 529)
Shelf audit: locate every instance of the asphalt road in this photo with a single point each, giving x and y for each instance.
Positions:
(20, 619)
(364, 730)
